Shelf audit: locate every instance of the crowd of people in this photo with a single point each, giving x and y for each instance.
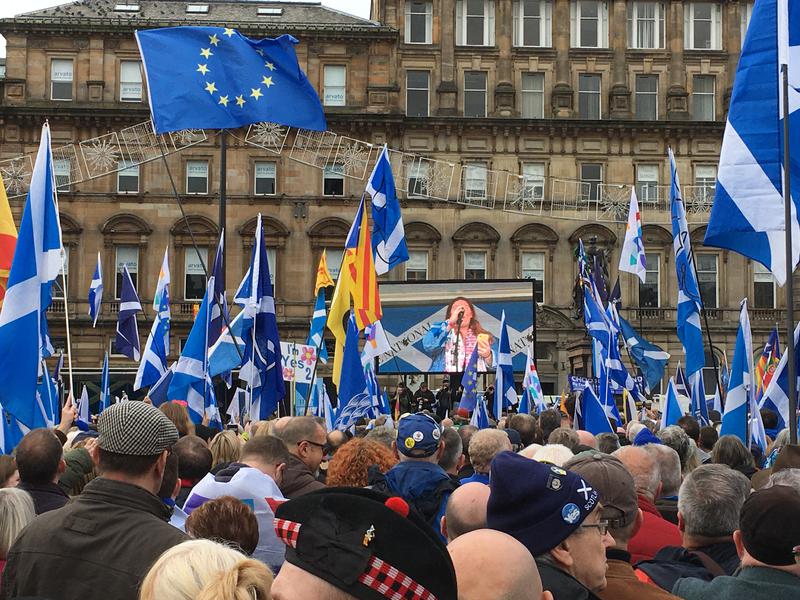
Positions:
(149, 506)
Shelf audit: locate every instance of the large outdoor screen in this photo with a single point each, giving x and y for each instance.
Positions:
(434, 326)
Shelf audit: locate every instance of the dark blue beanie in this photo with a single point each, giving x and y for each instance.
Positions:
(538, 504)
(645, 436)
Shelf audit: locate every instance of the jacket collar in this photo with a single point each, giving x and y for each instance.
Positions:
(561, 584)
(127, 495)
(767, 575)
(46, 488)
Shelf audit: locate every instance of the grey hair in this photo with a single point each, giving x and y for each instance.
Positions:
(669, 467)
(781, 440)
(634, 429)
(607, 442)
(710, 500)
(676, 438)
(383, 435)
(646, 473)
(566, 436)
(790, 477)
(16, 511)
(485, 445)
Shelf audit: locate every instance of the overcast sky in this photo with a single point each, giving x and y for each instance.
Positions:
(9, 8)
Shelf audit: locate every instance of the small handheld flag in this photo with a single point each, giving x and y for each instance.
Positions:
(672, 408)
(127, 340)
(388, 235)
(96, 292)
(632, 258)
(105, 391)
(737, 401)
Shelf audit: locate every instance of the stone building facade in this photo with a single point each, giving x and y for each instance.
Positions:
(573, 100)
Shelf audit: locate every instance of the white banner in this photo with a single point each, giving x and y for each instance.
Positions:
(298, 362)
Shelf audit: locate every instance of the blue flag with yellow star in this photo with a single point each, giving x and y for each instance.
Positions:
(216, 78)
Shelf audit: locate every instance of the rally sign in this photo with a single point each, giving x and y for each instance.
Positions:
(298, 362)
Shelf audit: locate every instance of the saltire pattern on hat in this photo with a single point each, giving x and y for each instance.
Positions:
(504, 393)
(672, 408)
(388, 236)
(154, 360)
(8, 240)
(469, 383)
(737, 401)
(689, 302)
(105, 386)
(748, 212)
(239, 81)
(353, 388)
(96, 292)
(594, 417)
(767, 362)
(651, 359)
(127, 340)
(24, 340)
(480, 417)
(632, 257)
(776, 396)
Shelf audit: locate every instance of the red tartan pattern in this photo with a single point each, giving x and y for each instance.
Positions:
(391, 583)
(288, 531)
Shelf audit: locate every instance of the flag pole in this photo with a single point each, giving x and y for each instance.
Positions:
(66, 322)
(787, 205)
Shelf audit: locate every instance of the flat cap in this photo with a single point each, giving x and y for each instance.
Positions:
(135, 428)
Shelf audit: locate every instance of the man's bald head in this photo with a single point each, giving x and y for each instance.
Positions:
(466, 510)
(642, 465)
(587, 438)
(492, 564)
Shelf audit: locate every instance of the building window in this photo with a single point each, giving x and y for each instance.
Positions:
(703, 97)
(746, 11)
(419, 22)
(417, 86)
(475, 22)
(61, 76)
(130, 81)
(271, 261)
(333, 180)
(418, 179)
(128, 177)
(533, 95)
(645, 25)
(474, 94)
(589, 20)
(647, 97)
(707, 279)
(532, 23)
(705, 181)
(194, 277)
(333, 87)
(702, 27)
(650, 290)
(62, 171)
(647, 184)
(417, 265)
(333, 257)
(591, 174)
(533, 268)
(475, 179)
(265, 178)
(474, 264)
(589, 96)
(533, 181)
(763, 287)
(126, 256)
(197, 177)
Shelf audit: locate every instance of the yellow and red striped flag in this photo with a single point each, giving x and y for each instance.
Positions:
(366, 298)
(324, 278)
(8, 240)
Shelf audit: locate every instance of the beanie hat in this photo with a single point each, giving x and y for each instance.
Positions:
(769, 525)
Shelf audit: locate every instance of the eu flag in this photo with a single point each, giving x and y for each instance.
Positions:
(216, 78)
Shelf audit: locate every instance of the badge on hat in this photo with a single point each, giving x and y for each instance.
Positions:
(410, 443)
(418, 436)
(553, 483)
(571, 513)
(437, 434)
(558, 471)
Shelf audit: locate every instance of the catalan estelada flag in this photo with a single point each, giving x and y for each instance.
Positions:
(8, 240)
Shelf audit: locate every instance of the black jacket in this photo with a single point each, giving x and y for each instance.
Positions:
(98, 547)
(46, 496)
(562, 585)
(674, 562)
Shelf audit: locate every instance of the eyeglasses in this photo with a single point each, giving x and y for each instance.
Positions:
(317, 444)
(601, 526)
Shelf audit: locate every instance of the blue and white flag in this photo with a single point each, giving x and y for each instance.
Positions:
(648, 357)
(480, 418)
(532, 387)
(632, 257)
(159, 390)
(504, 393)
(776, 396)
(699, 407)
(105, 386)
(353, 385)
(317, 329)
(219, 308)
(594, 416)
(689, 302)
(223, 355)
(83, 406)
(154, 360)
(127, 340)
(756, 432)
(96, 292)
(11, 432)
(388, 235)
(47, 394)
(672, 408)
(24, 340)
(469, 383)
(737, 402)
(748, 212)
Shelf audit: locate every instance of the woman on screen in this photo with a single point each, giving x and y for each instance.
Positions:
(450, 342)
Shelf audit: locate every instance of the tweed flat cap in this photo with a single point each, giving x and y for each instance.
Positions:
(135, 428)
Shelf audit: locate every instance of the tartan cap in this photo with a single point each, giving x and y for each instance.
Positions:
(366, 544)
(135, 428)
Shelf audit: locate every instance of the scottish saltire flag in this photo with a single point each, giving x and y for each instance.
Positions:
(594, 418)
(469, 381)
(776, 396)
(83, 406)
(216, 78)
(154, 360)
(698, 407)
(317, 329)
(607, 386)
(756, 433)
(737, 401)
(11, 433)
(235, 407)
(480, 417)
(748, 212)
(388, 236)
(127, 340)
(631, 258)
(223, 355)
(717, 404)
(629, 402)
(96, 292)
(689, 301)
(48, 396)
(681, 385)
(105, 386)
(648, 357)
(767, 363)
(37, 262)
(532, 387)
(158, 391)
(672, 408)
(219, 314)
(504, 393)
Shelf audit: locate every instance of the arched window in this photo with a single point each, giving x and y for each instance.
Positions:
(534, 245)
(190, 260)
(126, 237)
(475, 247)
(423, 241)
(275, 235)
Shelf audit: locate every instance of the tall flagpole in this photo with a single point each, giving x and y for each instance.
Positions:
(66, 321)
(787, 206)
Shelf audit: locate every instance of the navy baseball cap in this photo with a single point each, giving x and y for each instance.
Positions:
(418, 435)
(540, 505)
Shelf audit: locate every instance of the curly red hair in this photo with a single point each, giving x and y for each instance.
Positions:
(350, 465)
